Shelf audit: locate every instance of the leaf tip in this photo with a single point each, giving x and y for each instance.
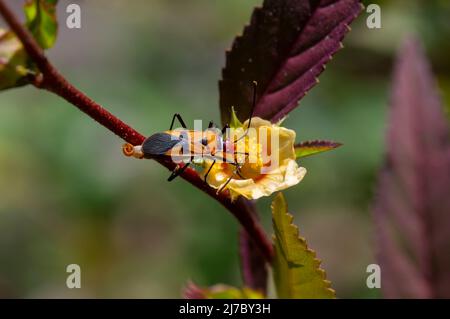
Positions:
(308, 148)
(234, 120)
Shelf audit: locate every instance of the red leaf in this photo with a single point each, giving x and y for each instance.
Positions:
(284, 49)
(412, 209)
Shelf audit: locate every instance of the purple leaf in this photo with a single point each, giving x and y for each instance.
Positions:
(284, 49)
(253, 264)
(412, 208)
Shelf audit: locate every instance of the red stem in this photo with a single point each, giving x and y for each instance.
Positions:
(53, 81)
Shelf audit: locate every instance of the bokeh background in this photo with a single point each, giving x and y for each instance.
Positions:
(68, 195)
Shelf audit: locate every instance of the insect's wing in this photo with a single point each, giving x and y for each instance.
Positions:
(159, 144)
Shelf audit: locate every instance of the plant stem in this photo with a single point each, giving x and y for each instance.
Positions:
(53, 81)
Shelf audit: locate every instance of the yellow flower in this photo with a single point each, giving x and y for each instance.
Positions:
(270, 165)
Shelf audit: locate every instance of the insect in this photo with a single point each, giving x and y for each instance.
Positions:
(195, 147)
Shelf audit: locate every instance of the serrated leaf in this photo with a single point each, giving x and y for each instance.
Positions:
(412, 207)
(296, 269)
(220, 291)
(41, 21)
(12, 57)
(308, 148)
(284, 49)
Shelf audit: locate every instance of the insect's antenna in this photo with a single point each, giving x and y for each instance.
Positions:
(255, 85)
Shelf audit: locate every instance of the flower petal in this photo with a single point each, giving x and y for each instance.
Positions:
(268, 183)
(262, 179)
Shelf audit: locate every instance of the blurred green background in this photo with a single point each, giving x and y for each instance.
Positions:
(68, 195)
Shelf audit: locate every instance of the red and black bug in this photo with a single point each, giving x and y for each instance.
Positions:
(186, 147)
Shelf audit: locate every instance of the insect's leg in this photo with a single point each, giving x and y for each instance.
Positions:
(238, 172)
(224, 130)
(226, 183)
(255, 86)
(177, 172)
(239, 165)
(177, 116)
(211, 124)
(209, 170)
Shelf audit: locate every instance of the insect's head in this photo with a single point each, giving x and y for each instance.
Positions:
(211, 138)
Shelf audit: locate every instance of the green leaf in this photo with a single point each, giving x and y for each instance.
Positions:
(308, 148)
(296, 269)
(41, 21)
(12, 61)
(220, 291)
(234, 121)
